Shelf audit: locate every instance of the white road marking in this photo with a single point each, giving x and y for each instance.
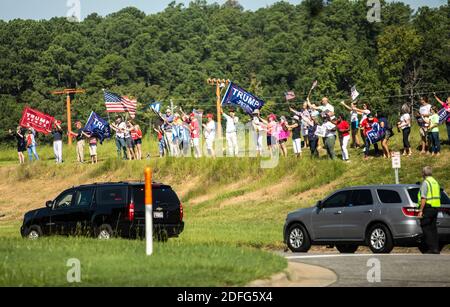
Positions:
(350, 255)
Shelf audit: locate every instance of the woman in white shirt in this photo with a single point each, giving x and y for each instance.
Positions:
(405, 125)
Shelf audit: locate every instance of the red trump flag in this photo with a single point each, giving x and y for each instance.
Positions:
(39, 121)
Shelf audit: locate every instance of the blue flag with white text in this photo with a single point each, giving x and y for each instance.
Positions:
(98, 127)
(237, 96)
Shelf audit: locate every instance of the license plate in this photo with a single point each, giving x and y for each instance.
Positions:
(158, 215)
(440, 215)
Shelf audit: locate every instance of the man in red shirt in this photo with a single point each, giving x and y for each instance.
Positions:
(343, 128)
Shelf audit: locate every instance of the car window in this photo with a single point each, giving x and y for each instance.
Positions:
(413, 193)
(337, 200)
(64, 200)
(389, 197)
(361, 198)
(112, 195)
(162, 195)
(84, 198)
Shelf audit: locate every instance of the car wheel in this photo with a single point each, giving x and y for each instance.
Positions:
(298, 239)
(34, 232)
(347, 248)
(104, 232)
(380, 240)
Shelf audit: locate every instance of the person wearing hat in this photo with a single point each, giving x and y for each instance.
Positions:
(30, 137)
(296, 129)
(231, 132)
(57, 134)
(210, 135)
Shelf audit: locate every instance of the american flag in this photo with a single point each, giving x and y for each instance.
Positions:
(290, 95)
(118, 104)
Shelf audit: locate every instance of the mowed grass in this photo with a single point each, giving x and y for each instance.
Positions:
(234, 212)
(124, 263)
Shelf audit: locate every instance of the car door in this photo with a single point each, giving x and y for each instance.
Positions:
(357, 214)
(80, 211)
(326, 220)
(61, 213)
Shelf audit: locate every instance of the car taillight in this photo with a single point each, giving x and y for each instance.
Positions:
(181, 212)
(131, 212)
(410, 212)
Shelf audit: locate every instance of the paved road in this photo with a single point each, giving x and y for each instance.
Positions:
(400, 270)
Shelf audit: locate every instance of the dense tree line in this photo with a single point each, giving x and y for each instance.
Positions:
(169, 55)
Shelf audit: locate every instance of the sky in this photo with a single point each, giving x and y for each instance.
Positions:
(46, 9)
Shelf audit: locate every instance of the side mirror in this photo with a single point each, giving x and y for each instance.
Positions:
(49, 204)
(319, 205)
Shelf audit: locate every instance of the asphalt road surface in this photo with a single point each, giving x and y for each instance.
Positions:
(395, 270)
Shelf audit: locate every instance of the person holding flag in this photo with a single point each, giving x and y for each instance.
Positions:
(326, 109)
(231, 132)
(57, 134)
(80, 141)
(120, 127)
(446, 106)
(92, 146)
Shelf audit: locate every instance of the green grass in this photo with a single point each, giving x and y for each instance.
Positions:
(124, 263)
(221, 245)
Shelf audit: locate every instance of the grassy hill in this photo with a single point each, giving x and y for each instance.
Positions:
(234, 209)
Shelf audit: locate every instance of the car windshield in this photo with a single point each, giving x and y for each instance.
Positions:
(414, 192)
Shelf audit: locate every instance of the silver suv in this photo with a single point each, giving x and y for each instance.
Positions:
(380, 217)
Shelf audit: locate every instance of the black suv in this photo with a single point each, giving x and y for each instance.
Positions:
(107, 210)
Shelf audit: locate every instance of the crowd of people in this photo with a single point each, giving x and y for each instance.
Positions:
(312, 127)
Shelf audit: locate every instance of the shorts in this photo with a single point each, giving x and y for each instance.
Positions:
(138, 142)
(283, 141)
(423, 132)
(355, 125)
(129, 142)
(93, 150)
(388, 134)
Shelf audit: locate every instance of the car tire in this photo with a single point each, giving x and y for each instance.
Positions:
(347, 248)
(34, 232)
(379, 239)
(104, 232)
(298, 240)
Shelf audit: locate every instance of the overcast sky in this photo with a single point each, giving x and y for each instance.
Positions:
(45, 9)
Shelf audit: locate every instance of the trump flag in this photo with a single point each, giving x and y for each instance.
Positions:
(238, 96)
(38, 121)
(98, 127)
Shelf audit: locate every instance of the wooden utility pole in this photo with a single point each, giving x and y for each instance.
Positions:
(69, 116)
(219, 83)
